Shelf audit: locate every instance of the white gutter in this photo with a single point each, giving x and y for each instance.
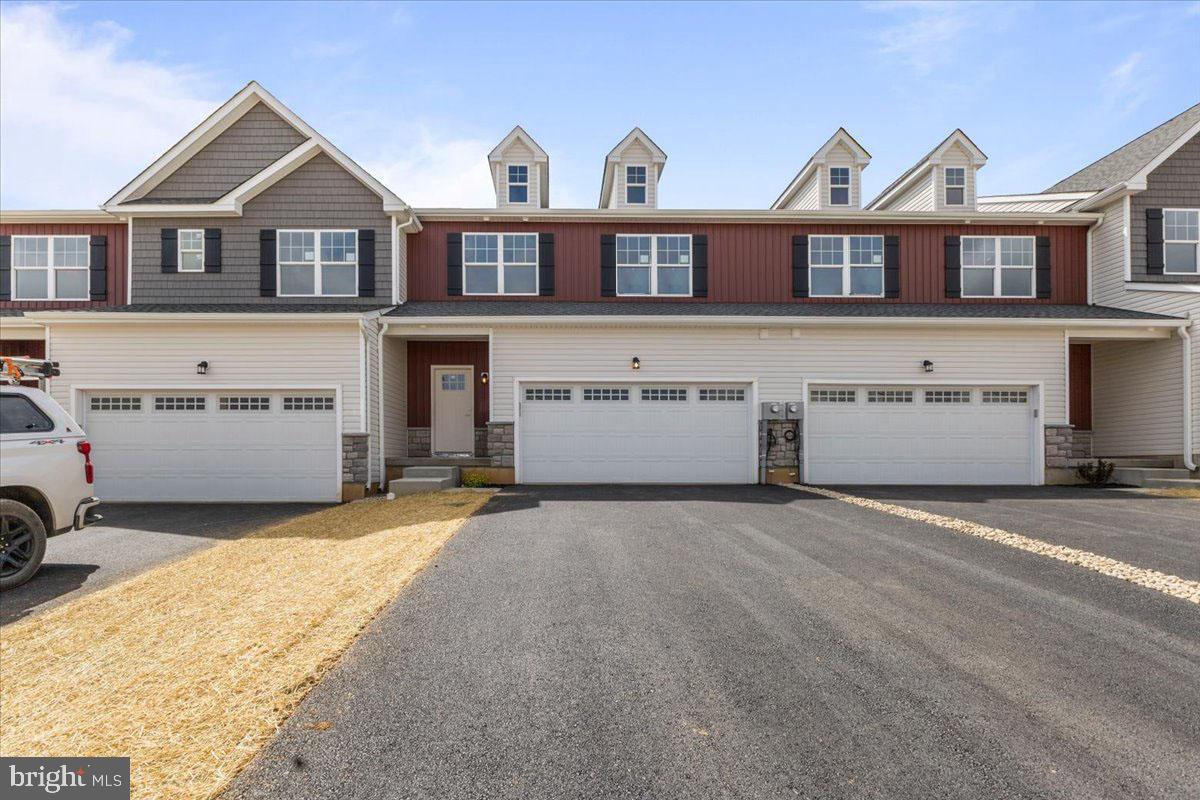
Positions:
(752, 215)
(1117, 190)
(761, 321)
(1188, 447)
(86, 317)
(83, 216)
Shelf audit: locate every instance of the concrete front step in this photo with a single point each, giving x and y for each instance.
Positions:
(432, 472)
(1150, 462)
(439, 461)
(414, 485)
(1171, 483)
(1152, 476)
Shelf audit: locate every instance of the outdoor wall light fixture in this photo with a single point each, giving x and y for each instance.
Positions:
(927, 365)
(483, 378)
(202, 368)
(636, 363)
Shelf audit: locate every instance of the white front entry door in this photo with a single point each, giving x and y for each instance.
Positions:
(235, 445)
(911, 435)
(635, 433)
(453, 427)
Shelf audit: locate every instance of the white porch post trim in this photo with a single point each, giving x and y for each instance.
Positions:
(1188, 445)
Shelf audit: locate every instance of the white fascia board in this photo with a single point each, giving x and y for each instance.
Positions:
(85, 317)
(276, 172)
(87, 216)
(753, 215)
(1114, 192)
(658, 320)
(180, 210)
(1181, 288)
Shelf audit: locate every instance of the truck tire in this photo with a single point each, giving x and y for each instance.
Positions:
(22, 543)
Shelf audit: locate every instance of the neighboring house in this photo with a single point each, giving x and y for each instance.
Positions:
(293, 330)
(1145, 256)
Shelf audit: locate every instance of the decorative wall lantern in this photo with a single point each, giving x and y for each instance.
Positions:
(202, 368)
(483, 378)
(927, 365)
(636, 363)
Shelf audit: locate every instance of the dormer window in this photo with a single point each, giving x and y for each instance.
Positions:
(956, 186)
(518, 183)
(839, 186)
(635, 185)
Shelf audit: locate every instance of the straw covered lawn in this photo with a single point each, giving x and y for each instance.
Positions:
(190, 668)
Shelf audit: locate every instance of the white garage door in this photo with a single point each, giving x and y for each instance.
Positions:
(909, 435)
(242, 445)
(622, 433)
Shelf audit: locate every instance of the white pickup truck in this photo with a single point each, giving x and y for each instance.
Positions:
(45, 472)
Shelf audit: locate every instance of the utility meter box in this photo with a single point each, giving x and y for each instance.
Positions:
(774, 409)
(794, 409)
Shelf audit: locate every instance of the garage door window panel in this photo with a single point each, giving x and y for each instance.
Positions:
(548, 394)
(833, 396)
(1005, 396)
(244, 403)
(664, 394)
(889, 396)
(115, 404)
(50, 267)
(845, 266)
(947, 396)
(997, 266)
(307, 403)
(172, 403)
(605, 394)
(722, 394)
(654, 265)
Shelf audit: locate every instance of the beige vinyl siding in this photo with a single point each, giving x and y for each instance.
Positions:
(257, 140)
(808, 196)
(250, 355)
(840, 156)
(954, 156)
(395, 396)
(780, 362)
(1108, 256)
(918, 197)
(1137, 398)
(636, 154)
(517, 153)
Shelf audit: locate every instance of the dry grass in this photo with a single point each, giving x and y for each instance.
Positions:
(190, 668)
(1187, 493)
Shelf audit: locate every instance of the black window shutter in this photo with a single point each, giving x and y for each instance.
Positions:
(98, 267)
(799, 266)
(454, 272)
(212, 249)
(1042, 267)
(5, 267)
(891, 266)
(1154, 241)
(366, 262)
(266, 262)
(953, 266)
(700, 266)
(608, 265)
(170, 250)
(546, 264)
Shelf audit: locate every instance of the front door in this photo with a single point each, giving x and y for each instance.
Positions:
(453, 411)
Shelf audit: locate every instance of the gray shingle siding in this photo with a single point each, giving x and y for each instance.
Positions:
(1175, 184)
(319, 194)
(257, 140)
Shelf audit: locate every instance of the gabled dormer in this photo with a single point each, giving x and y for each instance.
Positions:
(831, 180)
(520, 172)
(944, 180)
(631, 173)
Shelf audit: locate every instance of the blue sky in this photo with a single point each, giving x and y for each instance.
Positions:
(739, 96)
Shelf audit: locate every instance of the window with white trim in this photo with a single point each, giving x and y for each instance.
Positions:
(606, 394)
(191, 251)
(317, 263)
(500, 263)
(116, 404)
(658, 264)
(179, 404)
(518, 183)
(549, 393)
(999, 396)
(50, 267)
(833, 395)
(947, 396)
(997, 266)
(845, 266)
(839, 186)
(307, 403)
(889, 395)
(1181, 241)
(956, 186)
(722, 394)
(244, 403)
(664, 394)
(635, 184)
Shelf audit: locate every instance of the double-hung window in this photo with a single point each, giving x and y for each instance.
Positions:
(956, 186)
(635, 185)
(1181, 241)
(50, 267)
(500, 263)
(845, 266)
(839, 186)
(997, 266)
(518, 183)
(191, 251)
(318, 263)
(654, 265)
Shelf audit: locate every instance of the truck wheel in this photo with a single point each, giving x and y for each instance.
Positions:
(22, 543)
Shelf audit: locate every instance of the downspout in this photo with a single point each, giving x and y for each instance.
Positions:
(1188, 448)
(1090, 261)
(382, 417)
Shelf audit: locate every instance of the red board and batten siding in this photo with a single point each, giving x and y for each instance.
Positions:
(115, 272)
(751, 262)
(1080, 378)
(423, 355)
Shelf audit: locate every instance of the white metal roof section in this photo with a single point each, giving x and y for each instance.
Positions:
(1030, 203)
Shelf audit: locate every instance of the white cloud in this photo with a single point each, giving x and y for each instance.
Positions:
(1123, 89)
(437, 171)
(81, 118)
(927, 34)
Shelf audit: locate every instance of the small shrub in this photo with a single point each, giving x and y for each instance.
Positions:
(474, 480)
(1096, 474)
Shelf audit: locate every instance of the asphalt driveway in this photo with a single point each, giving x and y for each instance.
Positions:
(748, 642)
(133, 538)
